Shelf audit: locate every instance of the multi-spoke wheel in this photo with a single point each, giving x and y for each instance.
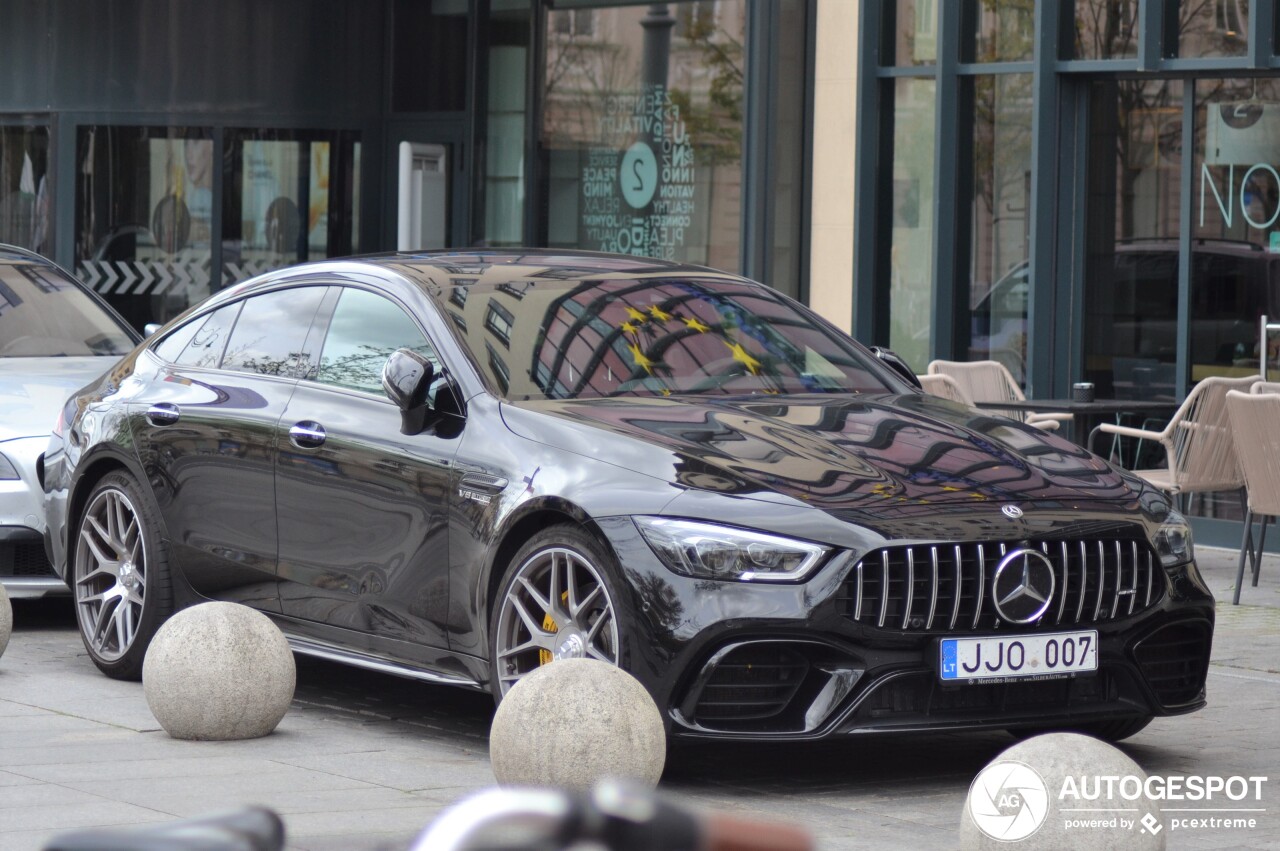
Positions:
(119, 579)
(555, 604)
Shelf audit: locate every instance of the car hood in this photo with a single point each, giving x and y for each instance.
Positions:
(33, 390)
(859, 457)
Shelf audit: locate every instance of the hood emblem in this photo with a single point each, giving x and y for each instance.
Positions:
(1023, 586)
(1013, 512)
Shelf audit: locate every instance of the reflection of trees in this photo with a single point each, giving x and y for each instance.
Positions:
(582, 72)
(715, 128)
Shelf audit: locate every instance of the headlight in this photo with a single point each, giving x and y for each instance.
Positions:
(709, 551)
(1173, 540)
(7, 470)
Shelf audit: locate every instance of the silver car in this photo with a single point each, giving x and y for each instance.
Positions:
(55, 337)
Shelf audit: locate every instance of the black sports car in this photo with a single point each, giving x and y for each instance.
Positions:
(461, 466)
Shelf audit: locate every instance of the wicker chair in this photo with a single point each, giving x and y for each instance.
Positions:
(1199, 452)
(1265, 387)
(991, 381)
(944, 386)
(1253, 418)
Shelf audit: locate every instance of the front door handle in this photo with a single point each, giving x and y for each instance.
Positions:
(162, 414)
(307, 434)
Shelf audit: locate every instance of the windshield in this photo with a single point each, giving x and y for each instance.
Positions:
(657, 337)
(43, 314)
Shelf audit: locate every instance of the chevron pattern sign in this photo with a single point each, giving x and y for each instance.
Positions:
(138, 277)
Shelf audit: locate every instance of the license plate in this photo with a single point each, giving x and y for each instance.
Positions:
(1017, 657)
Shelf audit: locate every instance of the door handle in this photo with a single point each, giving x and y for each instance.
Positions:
(307, 434)
(162, 414)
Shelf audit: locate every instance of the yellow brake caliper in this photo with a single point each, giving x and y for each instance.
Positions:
(545, 657)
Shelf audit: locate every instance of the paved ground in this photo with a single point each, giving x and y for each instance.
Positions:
(363, 761)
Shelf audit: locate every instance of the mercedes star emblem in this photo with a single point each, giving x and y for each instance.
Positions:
(1023, 586)
(1012, 511)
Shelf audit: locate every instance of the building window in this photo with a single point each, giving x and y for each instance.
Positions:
(568, 23)
(911, 253)
(26, 199)
(289, 196)
(647, 160)
(499, 322)
(144, 217)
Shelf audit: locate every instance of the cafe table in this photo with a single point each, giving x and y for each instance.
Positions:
(1085, 414)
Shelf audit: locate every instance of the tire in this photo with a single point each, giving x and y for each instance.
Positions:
(119, 575)
(527, 629)
(1109, 731)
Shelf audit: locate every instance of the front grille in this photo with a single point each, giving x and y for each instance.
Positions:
(25, 558)
(946, 587)
(1175, 660)
(751, 683)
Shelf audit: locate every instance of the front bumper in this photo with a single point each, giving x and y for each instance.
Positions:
(25, 570)
(785, 662)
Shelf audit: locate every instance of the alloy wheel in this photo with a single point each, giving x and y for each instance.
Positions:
(111, 574)
(557, 606)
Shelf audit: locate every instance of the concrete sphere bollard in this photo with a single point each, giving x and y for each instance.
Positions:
(1051, 792)
(573, 723)
(218, 671)
(6, 619)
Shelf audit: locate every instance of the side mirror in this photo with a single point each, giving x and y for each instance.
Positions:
(406, 378)
(149, 330)
(897, 364)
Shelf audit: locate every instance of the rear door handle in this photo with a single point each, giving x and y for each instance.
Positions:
(162, 414)
(307, 434)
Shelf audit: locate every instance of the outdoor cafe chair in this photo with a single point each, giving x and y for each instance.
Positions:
(991, 381)
(944, 386)
(1200, 455)
(1265, 387)
(1253, 418)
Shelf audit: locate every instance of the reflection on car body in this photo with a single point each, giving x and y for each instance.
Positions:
(55, 337)
(665, 467)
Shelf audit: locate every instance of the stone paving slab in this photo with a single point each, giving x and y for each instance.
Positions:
(362, 761)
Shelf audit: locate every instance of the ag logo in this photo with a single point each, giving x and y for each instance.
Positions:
(1008, 801)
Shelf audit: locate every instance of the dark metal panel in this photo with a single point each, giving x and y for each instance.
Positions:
(1151, 33)
(25, 66)
(756, 177)
(950, 215)
(1041, 346)
(874, 126)
(804, 230)
(292, 56)
(1262, 33)
(1185, 202)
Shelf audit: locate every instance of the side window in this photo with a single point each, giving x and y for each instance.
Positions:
(366, 328)
(205, 348)
(172, 345)
(270, 333)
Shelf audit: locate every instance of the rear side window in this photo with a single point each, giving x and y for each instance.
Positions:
(270, 334)
(206, 345)
(366, 328)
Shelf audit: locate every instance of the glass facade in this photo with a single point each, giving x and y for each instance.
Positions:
(1111, 207)
(642, 130)
(913, 196)
(26, 194)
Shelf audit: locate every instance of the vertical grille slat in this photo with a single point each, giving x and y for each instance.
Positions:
(982, 585)
(955, 606)
(906, 594)
(1102, 579)
(884, 588)
(933, 595)
(1066, 581)
(911, 587)
(1084, 579)
(860, 594)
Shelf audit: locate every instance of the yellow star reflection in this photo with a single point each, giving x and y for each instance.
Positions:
(640, 360)
(741, 356)
(657, 313)
(692, 322)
